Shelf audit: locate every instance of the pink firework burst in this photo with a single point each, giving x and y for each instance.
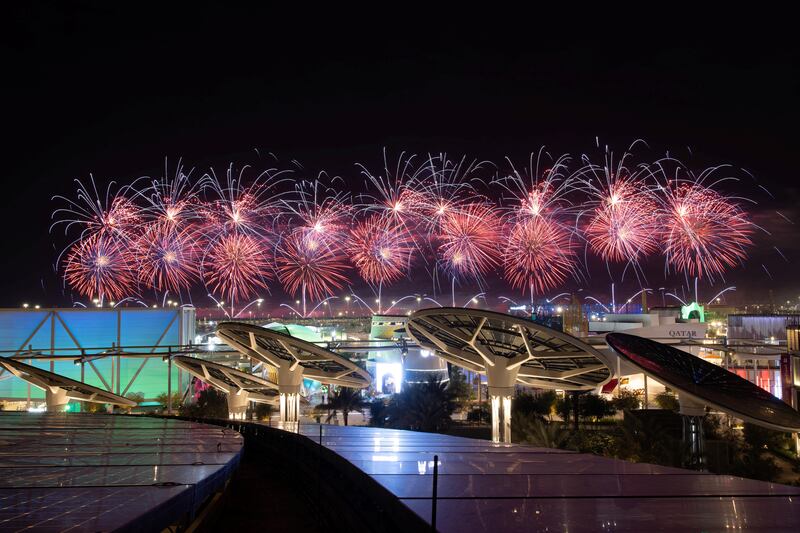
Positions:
(99, 267)
(470, 241)
(320, 213)
(380, 250)
(309, 266)
(538, 255)
(236, 266)
(167, 257)
(623, 226)
(704, 232)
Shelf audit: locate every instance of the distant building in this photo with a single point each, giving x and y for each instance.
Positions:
(75, 335)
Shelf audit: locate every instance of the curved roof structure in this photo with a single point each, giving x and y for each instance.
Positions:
(74, 390)
(230, 379)
(275, 348)
(546, 358)
(708, 383)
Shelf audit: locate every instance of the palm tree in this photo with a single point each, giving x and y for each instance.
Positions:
(344, 399)
(425, 406)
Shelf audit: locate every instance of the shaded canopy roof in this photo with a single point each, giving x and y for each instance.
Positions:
(229, 379)
(711, 384)
(547, 358)
(75, 390)
(275, 348)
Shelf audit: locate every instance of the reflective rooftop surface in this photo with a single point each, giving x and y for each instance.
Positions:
(81, 472)
(499, 488)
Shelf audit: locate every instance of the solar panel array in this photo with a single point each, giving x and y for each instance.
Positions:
(711, 383)
(502, 336)
(504, 488)
(86, 472)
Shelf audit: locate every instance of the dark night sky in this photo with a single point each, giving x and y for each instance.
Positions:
(98, 89)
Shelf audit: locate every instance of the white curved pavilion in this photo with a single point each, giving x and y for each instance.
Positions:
(59, 390)
(241, 388)
(294, 359)
(508, 350)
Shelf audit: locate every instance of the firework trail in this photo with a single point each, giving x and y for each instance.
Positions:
(319, 213)
(309, 266)
(540, 190)
(98, 267)
(235, 207)
(172, 201)
(396, 197)
(113, 216)
(444, 189)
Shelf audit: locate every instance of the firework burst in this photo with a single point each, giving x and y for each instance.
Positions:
(622, 225)
(311, 267)
(167, 258)
(470, 241)
(236, 266)
(380, 250)
(538, 255)
(99, 267)
(704, 232)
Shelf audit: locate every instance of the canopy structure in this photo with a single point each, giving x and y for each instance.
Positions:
(509, 350)
(294, 359)
(59, 390)
(240, 387)
(700, 383)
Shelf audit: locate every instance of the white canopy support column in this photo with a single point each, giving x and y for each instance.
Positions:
(238, 401)
(290, 380)
(501, 381)
(56, 399)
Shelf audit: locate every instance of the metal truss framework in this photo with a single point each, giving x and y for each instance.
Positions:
(508, 350)
(294, 359)
(112, 382)
(59, 390)
(240, 387)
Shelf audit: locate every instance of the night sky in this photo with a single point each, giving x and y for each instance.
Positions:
(102, 89)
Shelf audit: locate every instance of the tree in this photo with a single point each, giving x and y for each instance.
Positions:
(628, 399)
(262, 411)
(425, 406)
(210, 404)
(176, 399)
(344, 399)
(137, 397)
(667, 400)
(540, 404)
(458, 386)
(532, 429)
(595, 407)
(378, 412)
(645, 439)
